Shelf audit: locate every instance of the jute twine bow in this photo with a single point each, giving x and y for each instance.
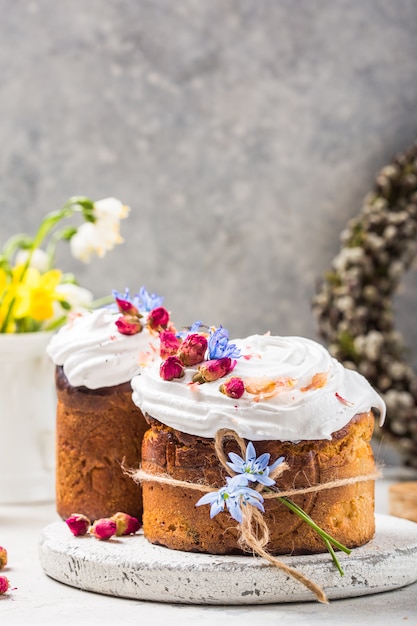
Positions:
(254, 532)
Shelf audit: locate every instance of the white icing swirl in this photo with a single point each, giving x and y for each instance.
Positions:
(95, 354)
(291, 415)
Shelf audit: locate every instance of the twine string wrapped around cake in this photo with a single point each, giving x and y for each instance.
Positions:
(253, 530)
(140, 476)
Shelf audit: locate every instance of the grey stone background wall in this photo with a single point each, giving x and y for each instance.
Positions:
(243, 134)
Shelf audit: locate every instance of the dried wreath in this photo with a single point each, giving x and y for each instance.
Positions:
(353, 303)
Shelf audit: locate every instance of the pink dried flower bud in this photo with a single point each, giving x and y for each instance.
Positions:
(233, 387)
(193, 349)
(78, 524)
(3, 557)
(169, 344)
(103, 528)
(4, 584)
(171, 368)
(126, 524)
(158, 318)
(127, 308)
(214, 369)
(129, 325)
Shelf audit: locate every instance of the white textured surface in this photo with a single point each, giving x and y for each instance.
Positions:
(131, 567)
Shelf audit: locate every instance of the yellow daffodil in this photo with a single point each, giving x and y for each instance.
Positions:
(36, 294)
(3, 281)
(6, 298)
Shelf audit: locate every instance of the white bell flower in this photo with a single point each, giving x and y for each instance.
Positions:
(102, 235)
(110, 208)
(95, 238)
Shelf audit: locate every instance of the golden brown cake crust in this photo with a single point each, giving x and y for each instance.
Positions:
(347, 512)
(96, 431)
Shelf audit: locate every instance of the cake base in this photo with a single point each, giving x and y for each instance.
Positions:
(131, 567)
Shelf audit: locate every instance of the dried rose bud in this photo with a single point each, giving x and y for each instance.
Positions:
(78, 524)
(127, 308)
(233, 387)
(171, 368)
(129, 325)
(158, 318)
(126, 524)
(169, 344)
(193, 349)
(4, 584)
(103, 528)
(214, 369)
(3, 557)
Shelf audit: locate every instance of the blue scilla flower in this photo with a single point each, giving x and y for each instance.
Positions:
(219, 346)
(143, 300)
(254, 469)
(148, 301)
(119, 295)
(233, 496)
(194, 328)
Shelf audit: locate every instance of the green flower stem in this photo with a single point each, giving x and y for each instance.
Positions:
(334, 557)
(7, 317)
(329, 541)
(56, 324)
(59, 235)
(299, 511)
(102, 302)
(12, 244)
(73, 205)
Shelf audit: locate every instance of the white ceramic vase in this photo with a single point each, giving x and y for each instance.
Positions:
(27, 419)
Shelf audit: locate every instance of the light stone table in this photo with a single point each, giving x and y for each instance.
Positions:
(38, 599)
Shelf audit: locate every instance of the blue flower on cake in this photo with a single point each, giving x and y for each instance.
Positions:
(233, 496)
(148, 301)
(130, 321)
(142, 300)
(236, 492)
(194, 328)
(219, 346)
(255, 469)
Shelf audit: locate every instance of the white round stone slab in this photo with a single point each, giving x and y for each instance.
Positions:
(131, 567)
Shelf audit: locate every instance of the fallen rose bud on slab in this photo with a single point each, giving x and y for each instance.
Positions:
(78, 524)
(104, 528)
(126, 524)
